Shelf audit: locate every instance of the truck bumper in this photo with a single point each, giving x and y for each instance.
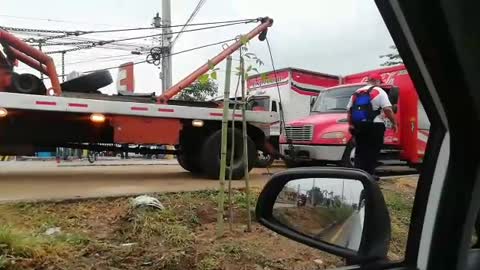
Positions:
(315, 152)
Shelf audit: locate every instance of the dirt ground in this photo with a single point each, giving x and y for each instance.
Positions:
(109, 234)
(20, 181)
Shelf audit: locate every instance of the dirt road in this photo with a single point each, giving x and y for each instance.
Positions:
(45, 180)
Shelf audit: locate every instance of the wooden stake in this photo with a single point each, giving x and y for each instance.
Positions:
(223, 160)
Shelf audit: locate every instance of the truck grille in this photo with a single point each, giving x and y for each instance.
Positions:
(299, 133)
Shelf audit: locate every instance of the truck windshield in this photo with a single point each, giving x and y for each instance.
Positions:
(259, 104)
(334, 100)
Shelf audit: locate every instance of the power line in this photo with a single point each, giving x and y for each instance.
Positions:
(105, 59)
(176, 53)
(194, 13)
(282, 115)
(172, 54)
(85, 32)
(56, 20)
(104, 42)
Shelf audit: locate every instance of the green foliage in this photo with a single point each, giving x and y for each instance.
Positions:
(244, 40)
(247, 71)
(15, 243)
(393, 58)
(201, 90)
(18, 243)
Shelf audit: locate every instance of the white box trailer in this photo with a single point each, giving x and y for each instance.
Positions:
(296, 88)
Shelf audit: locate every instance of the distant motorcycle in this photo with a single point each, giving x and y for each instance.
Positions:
(302, 201)
(92, 156)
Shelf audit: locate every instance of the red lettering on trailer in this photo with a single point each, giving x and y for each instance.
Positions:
(139, 108)
(78, 105)
(47, 103)
(165, 110)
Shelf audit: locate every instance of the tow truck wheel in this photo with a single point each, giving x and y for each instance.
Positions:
(211, 152)
(263, 160)
(348, 159)
(189, 161)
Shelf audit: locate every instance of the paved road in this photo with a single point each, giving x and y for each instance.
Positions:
(46, 180)
(348, 233)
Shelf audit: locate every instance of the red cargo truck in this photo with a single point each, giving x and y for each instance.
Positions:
(323, 137)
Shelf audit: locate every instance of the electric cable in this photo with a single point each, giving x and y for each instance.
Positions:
(194, 13)
(104, 42)
(172, 54)
(85, 32)
(282, 116)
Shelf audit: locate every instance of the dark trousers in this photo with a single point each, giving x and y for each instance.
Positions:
(369, 141)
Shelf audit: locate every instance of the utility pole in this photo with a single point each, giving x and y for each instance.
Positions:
(313, 193)
(63, 66)
(167, 49)
(40, 48)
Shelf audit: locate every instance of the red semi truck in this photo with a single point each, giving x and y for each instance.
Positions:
(323, 137)
(74, 114)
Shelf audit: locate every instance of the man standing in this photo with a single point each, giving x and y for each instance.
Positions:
(367, 110)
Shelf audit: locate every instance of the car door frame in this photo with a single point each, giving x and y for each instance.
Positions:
(439, 234)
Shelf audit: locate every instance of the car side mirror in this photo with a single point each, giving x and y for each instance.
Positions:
(340, 211)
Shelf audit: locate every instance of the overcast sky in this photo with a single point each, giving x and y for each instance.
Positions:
(330, 36)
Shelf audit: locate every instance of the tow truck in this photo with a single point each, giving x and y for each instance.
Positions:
(74, 114)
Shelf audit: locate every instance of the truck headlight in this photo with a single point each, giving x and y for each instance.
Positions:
(3, 112)
(334, 135)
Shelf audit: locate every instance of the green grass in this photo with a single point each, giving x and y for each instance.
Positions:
(209, 263)
(16, 243)
(340, 214)
(165, 224)
(400, 208)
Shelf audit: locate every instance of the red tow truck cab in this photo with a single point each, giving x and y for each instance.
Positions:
(323, 136)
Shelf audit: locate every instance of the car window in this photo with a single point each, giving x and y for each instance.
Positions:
(108, 134)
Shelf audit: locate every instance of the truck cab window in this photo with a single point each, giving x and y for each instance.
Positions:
(259, 104)
(334, 100)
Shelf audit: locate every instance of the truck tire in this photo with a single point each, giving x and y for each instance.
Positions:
(189, 162)
(210, 155)
(27, 84)
(348, 156)
(263, 160)
(88, 83)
